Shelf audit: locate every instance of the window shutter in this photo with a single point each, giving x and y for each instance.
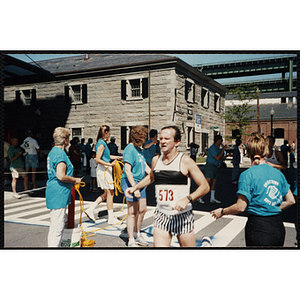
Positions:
(67, 97)
(145, 87)
(123, 89)
(18, 98)
(202, 97)
(186, 90)
(84, 93)
(207, 99)
(194, 92)
(33, 97)
(123, 137)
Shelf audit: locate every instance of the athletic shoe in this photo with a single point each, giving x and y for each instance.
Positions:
(206, 242)
(133, 244)
(200, 201)
(95, 190)
(141, 241)
(214, 201)
(114, 220)
(17, 196)
(90, 215)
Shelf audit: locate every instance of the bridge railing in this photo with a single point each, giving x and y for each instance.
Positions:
(245, 60)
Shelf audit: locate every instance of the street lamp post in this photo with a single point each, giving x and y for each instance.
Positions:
(272, 112)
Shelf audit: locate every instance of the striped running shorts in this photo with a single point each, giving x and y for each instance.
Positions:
(175, 224)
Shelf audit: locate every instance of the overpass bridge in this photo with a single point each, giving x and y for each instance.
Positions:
(256, 67)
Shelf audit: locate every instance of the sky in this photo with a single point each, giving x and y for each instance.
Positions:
(190, 58)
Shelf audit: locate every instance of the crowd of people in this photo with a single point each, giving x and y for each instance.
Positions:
(263, 189)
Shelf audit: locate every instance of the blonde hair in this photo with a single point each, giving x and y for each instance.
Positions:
(138, 135)
(257, 147)
(59, 135)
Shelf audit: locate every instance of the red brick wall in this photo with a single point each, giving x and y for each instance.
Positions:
(289, 126)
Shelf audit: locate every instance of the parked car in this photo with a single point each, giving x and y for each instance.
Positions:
(229, 150)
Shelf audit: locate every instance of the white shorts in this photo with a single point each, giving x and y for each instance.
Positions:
(104, 177)
(17, 172)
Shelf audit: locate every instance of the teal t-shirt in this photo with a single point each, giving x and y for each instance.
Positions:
(134, 156)
(58, 193)
(106, 152)
(212, 152)
(12, 152)
(150, 152)
(264, 187)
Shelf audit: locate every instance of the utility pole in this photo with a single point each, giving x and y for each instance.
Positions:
(258, 113)
(149, 109)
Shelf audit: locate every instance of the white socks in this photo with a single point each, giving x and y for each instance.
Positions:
(110, 214)
(212, 194)
(92, 207)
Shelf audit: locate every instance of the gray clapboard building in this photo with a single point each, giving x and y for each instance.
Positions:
(120, 90)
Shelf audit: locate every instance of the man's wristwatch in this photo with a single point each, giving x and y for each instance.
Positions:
(190, 198)
(222, 212)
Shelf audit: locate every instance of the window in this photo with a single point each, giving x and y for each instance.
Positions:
(189, 91)
(204, 143)
(190, 136)
(76, 132)
(205, 98)
(76, 94)
(26, 97)
(217, 103)
(134, 89)
(279, 133)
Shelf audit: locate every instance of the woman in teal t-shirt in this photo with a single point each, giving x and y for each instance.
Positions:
(59, 185)
(260, 192)
(104, 175)
(134, 169)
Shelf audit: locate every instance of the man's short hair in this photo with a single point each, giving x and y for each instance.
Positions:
(153, 133)
(217, 137)
(177, 136)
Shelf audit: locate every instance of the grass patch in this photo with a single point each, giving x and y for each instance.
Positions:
(201, 159)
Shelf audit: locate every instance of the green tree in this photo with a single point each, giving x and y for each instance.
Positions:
(238, 116)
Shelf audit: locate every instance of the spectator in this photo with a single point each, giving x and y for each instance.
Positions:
(214, 160)
(260, 192)
(275, 158)
(151, 148)
(104, 176)
(236, 160)
(89, 147)
(59, 185)
(134, 169)
(93, 167)
(113, 148)
(285, 149)
(16, 166)
(6, 163)
(193, 151)
(75, 155)
(31, 159)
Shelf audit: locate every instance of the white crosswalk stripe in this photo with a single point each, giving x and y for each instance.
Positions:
(33, 211)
